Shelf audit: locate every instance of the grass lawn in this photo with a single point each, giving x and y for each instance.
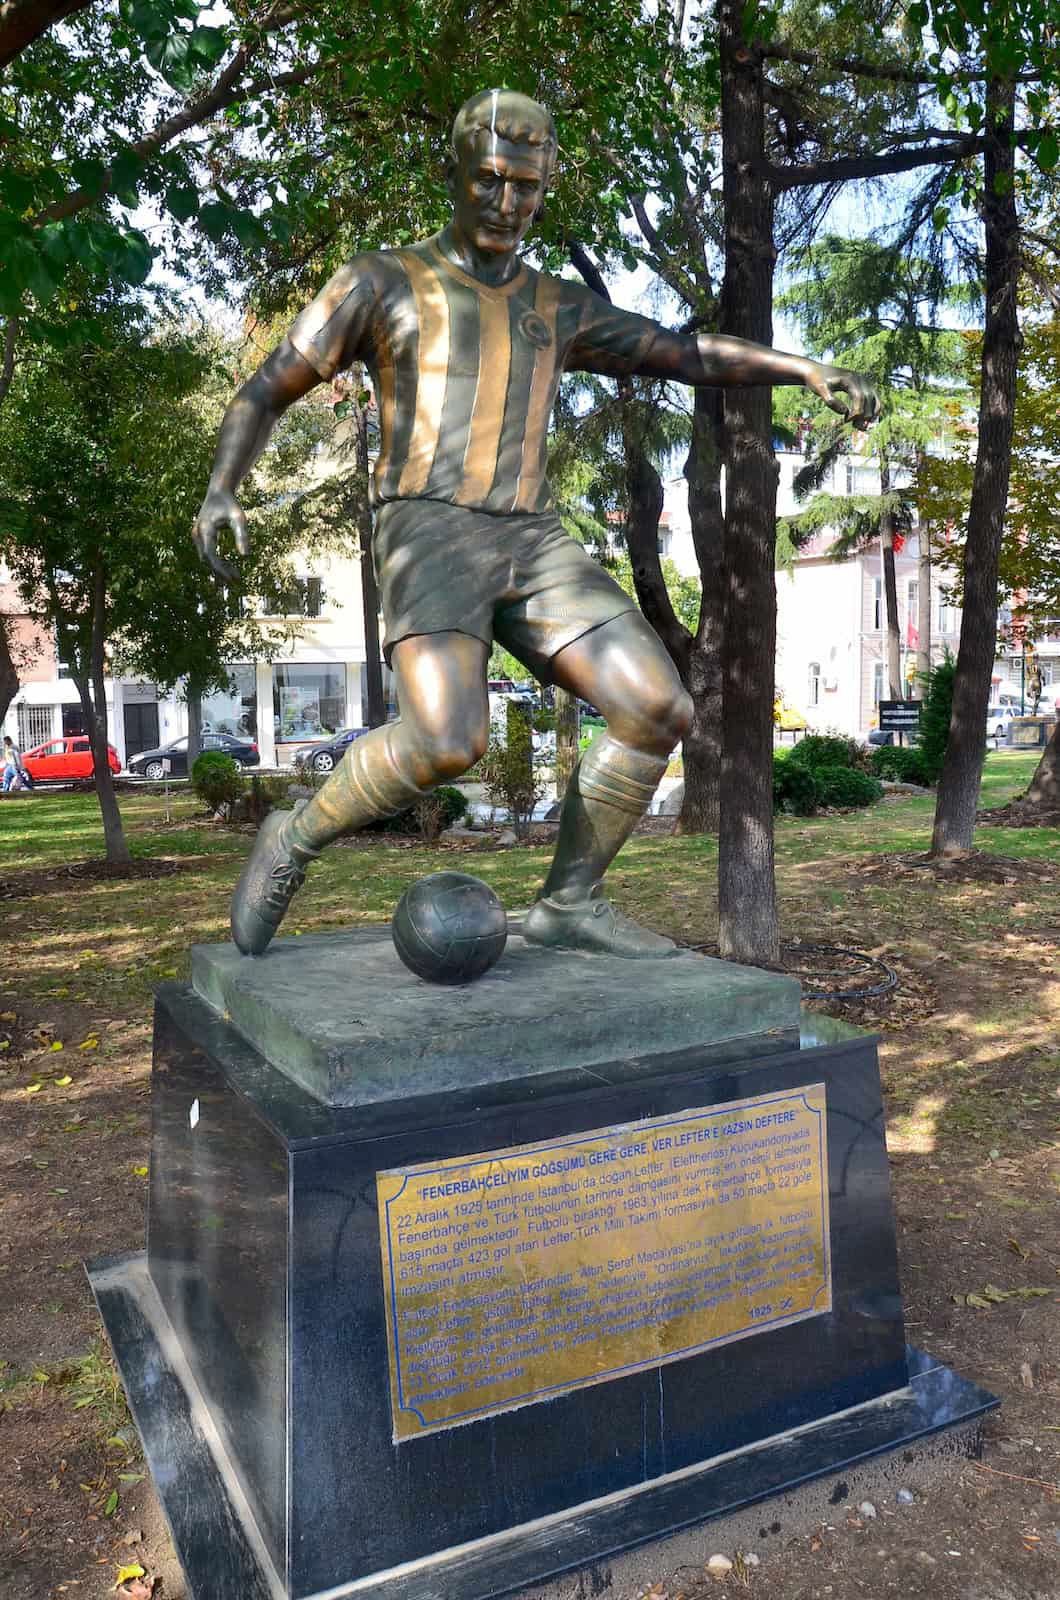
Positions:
(970, 1054)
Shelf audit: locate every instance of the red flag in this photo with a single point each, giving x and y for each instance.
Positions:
(912, 634)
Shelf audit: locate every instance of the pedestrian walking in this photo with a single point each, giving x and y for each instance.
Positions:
(15, 774)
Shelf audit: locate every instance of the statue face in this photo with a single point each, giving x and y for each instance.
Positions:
(496, 189)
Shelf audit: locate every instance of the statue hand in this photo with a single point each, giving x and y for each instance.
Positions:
(220, 509)
(831, 383)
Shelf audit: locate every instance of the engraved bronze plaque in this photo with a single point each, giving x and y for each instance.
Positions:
(519, 1274)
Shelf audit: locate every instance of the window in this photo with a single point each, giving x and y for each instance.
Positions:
(912, 601)
(664, 542)
(309, 702)
(233, 709)
(877, 603)
(35, 724)
(815, 683)
(877, 682)
(945, 618)
(300, 597)
(861, 480)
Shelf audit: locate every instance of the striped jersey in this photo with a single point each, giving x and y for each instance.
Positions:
(465, 374)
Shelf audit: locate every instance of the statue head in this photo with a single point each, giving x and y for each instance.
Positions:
(502, 156)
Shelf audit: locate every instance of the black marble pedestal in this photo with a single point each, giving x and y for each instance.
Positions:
(252, 1337)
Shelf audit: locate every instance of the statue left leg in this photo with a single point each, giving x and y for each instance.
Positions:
(623, 668)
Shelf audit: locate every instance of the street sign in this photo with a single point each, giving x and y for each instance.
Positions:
(900, 716)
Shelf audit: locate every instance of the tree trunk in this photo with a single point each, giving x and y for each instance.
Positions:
(748, 925)
(701, 751)
(566, 738)
(194, 697)
(923, 607)
(94, 704)
(375, 710)
(958, 790)
(890, 592)
(1044, 790)
(8, 671)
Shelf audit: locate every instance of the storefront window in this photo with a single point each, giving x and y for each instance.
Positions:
(308, 702)
(233, 709)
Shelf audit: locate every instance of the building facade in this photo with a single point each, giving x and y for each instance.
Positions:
(314, 686)
(831, 635)
(831, 647)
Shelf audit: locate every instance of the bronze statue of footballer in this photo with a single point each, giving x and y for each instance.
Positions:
(466, 346)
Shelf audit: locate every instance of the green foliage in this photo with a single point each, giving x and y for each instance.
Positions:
(900, 764)
(105, 450)
(794, 786)
(686, 594)
(823, 769)
(845, 787)
(828, 750)
(266, 792)
(182, 109)
(438, 810)
(429, 816)
(453, 802)
(1029, 570)
(217, 780)
(875, 308)
(935, 715)
(508, 773)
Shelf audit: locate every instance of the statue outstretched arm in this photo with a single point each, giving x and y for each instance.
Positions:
(727, 363)
(248, 423)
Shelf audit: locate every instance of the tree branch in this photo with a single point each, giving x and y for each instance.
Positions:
(23, 21)
(227, 91)
(1043, 240)
(644, 223)
(859, 67)
(583, 263)
(871, 166)
(7, 370)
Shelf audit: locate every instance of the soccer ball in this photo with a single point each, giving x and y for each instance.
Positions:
(449, 928)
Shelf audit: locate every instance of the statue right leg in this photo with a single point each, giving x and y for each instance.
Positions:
(442, 730)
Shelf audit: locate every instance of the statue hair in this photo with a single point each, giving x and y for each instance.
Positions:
(511, 116)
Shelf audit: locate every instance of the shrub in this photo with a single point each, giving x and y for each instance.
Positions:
(265, 793)
(794, 786)
(935, 716)
(217, 780)
(829, 750)
(437, 811)
(900, 764)
(843, 786)
(509, 776)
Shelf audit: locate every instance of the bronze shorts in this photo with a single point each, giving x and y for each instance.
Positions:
(518, 578)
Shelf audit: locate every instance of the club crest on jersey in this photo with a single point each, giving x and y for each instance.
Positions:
(535, 330)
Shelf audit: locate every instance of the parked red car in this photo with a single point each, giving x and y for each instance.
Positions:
(62, 759)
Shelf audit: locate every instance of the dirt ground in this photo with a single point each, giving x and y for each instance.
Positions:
(970, 1052)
